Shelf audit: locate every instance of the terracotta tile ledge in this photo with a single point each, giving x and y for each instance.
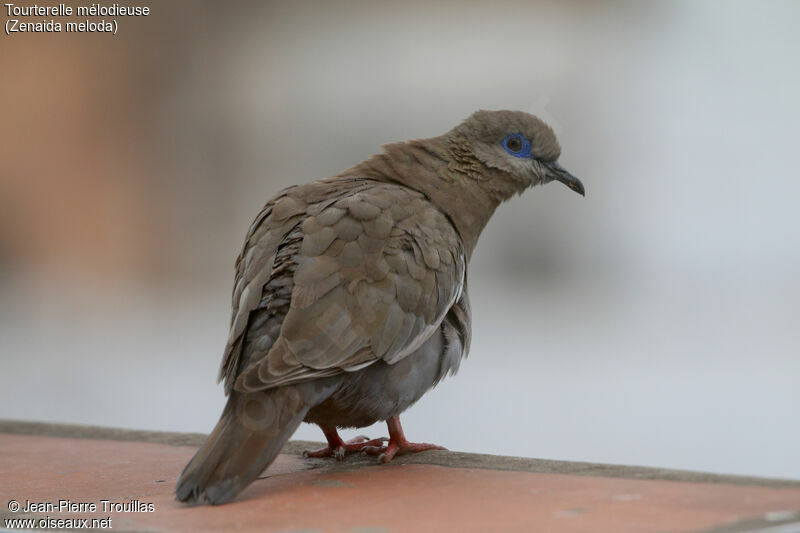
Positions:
(434, 491)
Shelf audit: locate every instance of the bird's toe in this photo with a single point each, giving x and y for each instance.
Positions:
(374, 450)
(386, 454)
(322, 452)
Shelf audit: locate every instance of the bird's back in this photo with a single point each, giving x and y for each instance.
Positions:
(336, 275)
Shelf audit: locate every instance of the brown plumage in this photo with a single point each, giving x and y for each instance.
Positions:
(350, 296)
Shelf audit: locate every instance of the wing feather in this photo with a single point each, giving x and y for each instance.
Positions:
(332, 282)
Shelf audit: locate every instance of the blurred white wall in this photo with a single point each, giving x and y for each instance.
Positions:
(653, 322)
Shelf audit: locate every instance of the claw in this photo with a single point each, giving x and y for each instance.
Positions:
(339, 453)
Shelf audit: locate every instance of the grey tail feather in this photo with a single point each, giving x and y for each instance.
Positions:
(249, 435)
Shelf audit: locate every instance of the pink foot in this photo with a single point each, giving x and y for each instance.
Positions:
(338, 449)
(398, 445)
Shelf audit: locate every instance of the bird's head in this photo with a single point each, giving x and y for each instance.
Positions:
(470, 170)
(519, 145)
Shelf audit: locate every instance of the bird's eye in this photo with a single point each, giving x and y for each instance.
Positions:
(517, 145)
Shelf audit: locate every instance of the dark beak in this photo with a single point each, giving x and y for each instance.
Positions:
(560, 173)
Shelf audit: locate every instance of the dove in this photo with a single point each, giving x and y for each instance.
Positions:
(350, 296)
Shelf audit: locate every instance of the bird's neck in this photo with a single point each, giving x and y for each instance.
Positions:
(455, 181)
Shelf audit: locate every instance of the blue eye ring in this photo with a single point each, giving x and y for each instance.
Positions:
(524, 151)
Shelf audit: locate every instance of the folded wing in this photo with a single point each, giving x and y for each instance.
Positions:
(332, 281)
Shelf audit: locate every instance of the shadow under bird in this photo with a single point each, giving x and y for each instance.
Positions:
(350, 298)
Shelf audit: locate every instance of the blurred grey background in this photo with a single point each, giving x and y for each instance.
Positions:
(654, 322)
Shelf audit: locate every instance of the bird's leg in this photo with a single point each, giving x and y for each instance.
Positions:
(338, 448)
(398, 445)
